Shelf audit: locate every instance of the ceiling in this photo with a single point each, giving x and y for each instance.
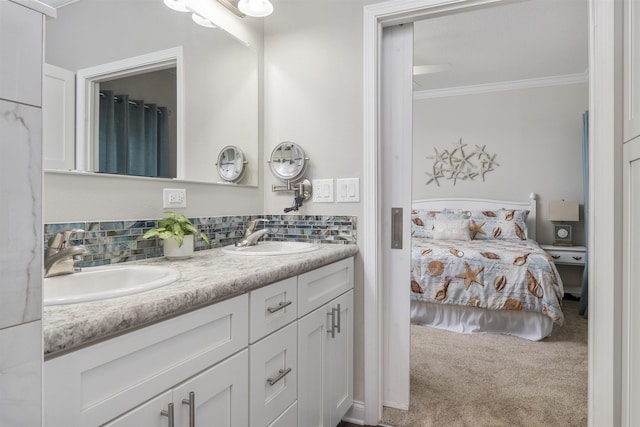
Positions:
(521, 40)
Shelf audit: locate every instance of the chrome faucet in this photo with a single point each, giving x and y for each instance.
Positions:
(59, 258)
(251, 236)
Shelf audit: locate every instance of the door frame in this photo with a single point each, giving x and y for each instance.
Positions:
(604, 192)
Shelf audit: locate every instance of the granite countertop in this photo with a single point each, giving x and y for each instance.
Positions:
(207, 277)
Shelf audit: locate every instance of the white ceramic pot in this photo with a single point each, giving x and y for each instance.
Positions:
(173, 251)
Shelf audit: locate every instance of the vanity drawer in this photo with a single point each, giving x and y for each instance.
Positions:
(320, 286)
(272, 307)
(108, 378)
(273, 375)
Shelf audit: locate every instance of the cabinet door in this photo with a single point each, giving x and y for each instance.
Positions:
(312, 365)
(148, 414)
(58, 118)
(220, 395)
(340, 358)
(325, 363)
(21, 47)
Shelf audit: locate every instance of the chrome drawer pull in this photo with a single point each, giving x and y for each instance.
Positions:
(191, 402)
(168, 413)
(339, 318)
(331, 329)
(279, 307)
(577, 258)
(281, 374)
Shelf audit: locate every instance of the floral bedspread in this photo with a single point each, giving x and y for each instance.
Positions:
(492, 274)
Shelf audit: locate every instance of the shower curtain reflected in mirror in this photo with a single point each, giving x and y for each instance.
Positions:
(133, 137)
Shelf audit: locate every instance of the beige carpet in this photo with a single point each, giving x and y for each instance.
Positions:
(496, 380)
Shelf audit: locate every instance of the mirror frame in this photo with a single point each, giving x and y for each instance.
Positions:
(87, 108)
(300, 170)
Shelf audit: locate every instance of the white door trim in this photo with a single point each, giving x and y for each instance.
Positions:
(604, 376)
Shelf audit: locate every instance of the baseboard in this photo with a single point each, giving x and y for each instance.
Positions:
(355, 415)
(395, 405)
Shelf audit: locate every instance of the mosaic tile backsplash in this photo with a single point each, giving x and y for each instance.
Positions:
(111, 242)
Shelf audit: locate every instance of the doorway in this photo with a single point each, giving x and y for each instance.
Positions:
(602, 130)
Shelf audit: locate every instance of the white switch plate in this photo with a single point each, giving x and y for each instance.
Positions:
(348, 190)
(174, 198)
(322, 190)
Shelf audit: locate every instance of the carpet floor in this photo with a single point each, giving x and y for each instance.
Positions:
(497, 380)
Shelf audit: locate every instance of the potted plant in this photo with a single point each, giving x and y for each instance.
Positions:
(177, 232)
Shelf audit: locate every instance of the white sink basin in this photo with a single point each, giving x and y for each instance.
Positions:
(98, 283)
(272, 248)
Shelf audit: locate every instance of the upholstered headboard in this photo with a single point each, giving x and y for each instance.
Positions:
(482, 204)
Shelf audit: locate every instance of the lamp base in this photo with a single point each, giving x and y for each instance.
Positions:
(562, 235)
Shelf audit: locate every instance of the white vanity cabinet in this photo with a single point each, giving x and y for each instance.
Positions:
(153, 367)
(325, 345)
(218, 396)
(278, 356)
(311, 359)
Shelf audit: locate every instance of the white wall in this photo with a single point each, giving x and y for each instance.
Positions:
(313, 96)
(536, 134)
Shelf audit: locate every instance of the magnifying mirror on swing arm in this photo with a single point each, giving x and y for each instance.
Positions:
(289, 163)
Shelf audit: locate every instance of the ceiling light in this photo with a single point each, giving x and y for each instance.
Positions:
(256, 8)
(176, 5)
(200, 20)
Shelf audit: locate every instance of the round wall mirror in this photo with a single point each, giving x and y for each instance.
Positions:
(288, 161)
(231, 163)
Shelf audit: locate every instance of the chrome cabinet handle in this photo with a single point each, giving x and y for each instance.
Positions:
(332, 326)
(339, 318)
(168, 413)
(191, 402)
(278, 307)
(281, 374)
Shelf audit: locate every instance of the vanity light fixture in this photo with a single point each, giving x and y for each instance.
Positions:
(176, 5)
(201, 20)
(256, 8)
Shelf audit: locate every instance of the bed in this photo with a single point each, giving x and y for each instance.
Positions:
(477, 268)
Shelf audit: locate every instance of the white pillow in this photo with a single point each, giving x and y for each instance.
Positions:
(452, 229)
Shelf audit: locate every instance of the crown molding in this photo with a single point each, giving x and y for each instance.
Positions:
(567, 79)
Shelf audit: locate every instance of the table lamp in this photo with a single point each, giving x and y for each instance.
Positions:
(562, 212)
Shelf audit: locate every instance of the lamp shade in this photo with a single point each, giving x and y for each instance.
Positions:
(564, 211)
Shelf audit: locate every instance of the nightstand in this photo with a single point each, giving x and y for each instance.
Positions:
(569, 255)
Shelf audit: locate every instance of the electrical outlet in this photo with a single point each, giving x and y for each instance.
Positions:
(174, 198)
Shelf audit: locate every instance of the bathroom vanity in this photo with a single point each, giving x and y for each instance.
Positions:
(237, 341)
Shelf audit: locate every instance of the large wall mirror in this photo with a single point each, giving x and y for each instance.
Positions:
(203, 86)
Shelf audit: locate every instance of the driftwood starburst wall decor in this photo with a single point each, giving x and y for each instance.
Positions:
(460, 163)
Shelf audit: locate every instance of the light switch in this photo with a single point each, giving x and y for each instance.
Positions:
(322, 190)
(348, 190)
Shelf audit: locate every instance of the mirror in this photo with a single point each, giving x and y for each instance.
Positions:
(231, 164)
(216, 79)
(288, 161)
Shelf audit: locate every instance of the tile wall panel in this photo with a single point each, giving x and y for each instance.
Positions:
(20, 214)
(111, 242)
